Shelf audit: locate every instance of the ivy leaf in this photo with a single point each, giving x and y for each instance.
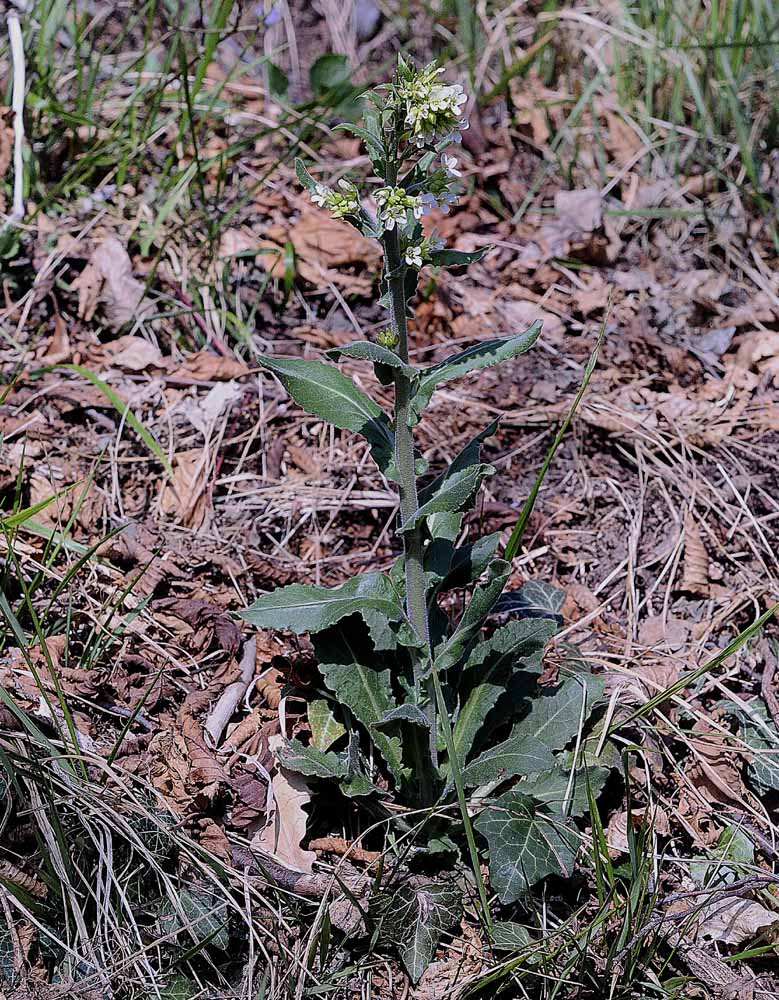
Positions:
(555, 719)
(455, 492)
(306, 608)
(513, 757)
(482, 355)
(516, 647)
(534, 599)
(507, 935)
(413, 919)
(201, 913)
(759, 733)
(525, 845)
(457, 258)
(383, 360)
(484, 597)
(329, 394)
(354, 673)
(559, 794)
(311, 762)
(325, 728)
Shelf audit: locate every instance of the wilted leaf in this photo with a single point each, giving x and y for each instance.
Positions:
(482, 355)
(286, 826)
(525, 845)
(108, 279)
(735, 921)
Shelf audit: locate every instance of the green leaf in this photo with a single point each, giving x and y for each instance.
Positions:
(278, 81)
(468, 456)
(413, 919)
(305, 608)
(555, 790)
(329, 72)
(18, 518)
(484, 597)
(325, 728)
(311, 762)
(201, 913)
(525, 845)
(327, 393)
(507, 935)
(534, 599)
(375, 145)
(482, 355)
(510, 759)
(457, 258)
(759, 733)
(516, 647)
(556, 719)
(384, 360)
(359, 680)
(455, 492)
(305, 178)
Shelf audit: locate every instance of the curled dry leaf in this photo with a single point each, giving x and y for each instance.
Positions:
(735, 921)
(655, 820)
(695, 568)
(286, 827)
(108, 280)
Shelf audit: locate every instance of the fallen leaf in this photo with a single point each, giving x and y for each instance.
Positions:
(185, 496)
(108, 280)
(583, 208)
(206, 367)
(735, 921)
(286, 826)
(695, 567)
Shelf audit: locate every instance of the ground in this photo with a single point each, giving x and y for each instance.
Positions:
(622, 166)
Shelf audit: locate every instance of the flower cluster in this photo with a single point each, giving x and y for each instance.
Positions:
(418, 253)
(394, 205)
(338, 203)
(433, 110)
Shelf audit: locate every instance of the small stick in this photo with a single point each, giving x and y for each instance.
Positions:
(17, 104)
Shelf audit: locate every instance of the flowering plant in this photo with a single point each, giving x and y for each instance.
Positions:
(421, 703)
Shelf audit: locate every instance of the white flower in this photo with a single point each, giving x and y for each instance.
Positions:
(449, 163)
(320, 195)
(433, 110)
(414, 256)
(394, 205)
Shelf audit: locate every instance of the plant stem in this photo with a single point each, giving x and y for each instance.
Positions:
(416, 587)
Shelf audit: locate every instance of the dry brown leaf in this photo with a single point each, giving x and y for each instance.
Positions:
(206, 367)
(186, 496)
(286, 827)
(735, 921)
(583, 207)
(617, 829)
(108, 280)
(6, 140)
(695, 567)
(132, 354)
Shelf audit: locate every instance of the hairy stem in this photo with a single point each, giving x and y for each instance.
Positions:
(416, 595)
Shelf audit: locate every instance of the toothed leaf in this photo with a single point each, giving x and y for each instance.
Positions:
(482, 355)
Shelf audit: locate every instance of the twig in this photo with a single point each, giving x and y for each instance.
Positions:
(17, 104)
